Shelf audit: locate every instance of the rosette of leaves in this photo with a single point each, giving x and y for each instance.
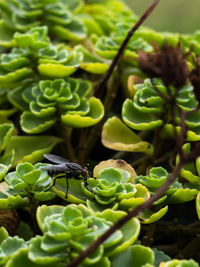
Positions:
(177, 192)
(28, 181)
(59, 99)
(113, 186)
(69, 230)
(59, 16)
(148, 110)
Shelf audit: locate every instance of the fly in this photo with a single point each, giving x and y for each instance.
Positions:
(70, 170)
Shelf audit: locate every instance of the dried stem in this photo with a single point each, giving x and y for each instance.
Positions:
(116, 59)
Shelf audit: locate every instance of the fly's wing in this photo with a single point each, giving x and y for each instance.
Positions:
(56, 159)
(56, 168)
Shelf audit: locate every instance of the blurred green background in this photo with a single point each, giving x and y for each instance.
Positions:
(181, 16)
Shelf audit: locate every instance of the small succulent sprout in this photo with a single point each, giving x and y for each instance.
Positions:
(60, 99)
(29, 180)
(72, 228)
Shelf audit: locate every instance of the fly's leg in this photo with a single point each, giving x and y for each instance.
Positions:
(67, 188)
(53, 181)
(86, 184)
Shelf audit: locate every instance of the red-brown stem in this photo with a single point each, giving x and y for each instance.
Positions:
(115, 61)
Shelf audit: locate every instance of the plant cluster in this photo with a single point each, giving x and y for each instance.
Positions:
(76, 79)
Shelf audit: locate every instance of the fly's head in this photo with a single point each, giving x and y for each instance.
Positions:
(85, 172)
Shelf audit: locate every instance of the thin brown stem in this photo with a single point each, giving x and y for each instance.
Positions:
(116, 59)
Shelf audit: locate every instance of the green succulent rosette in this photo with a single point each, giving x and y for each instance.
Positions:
(177, 193)
(59, 99)
(29, 181)
(69, 230)
(148, 110)
(113, 187)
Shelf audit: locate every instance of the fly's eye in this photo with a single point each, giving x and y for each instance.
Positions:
(85, 171)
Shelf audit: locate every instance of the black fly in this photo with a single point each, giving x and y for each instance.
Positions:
(70, 170)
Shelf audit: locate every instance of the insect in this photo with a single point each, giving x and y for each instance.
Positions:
(70, 170)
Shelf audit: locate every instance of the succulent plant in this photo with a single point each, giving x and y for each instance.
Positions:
(59, 99)
(29, 181)
(67, 231)
(147, 110)
(176, 193)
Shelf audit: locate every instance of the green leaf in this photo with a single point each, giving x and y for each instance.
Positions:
(6, 131)
(6, 34)
(56, 70)
(10, 246)
(20, 258)
(24, 168)
(198, 205)
(3, 234)
(38, 255)
(74, 31)
(15, 76)
(149, 216)
(118, 136)
(91, 63)
(138, 120)
(135, 256)
(12, 202)
(31, 148)
(3, 171)
(75, 193)
(93, 117)
(33, 124)
(182, 195)
(160, 256)
(130, 232)
(44, 211)
(44, 196)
